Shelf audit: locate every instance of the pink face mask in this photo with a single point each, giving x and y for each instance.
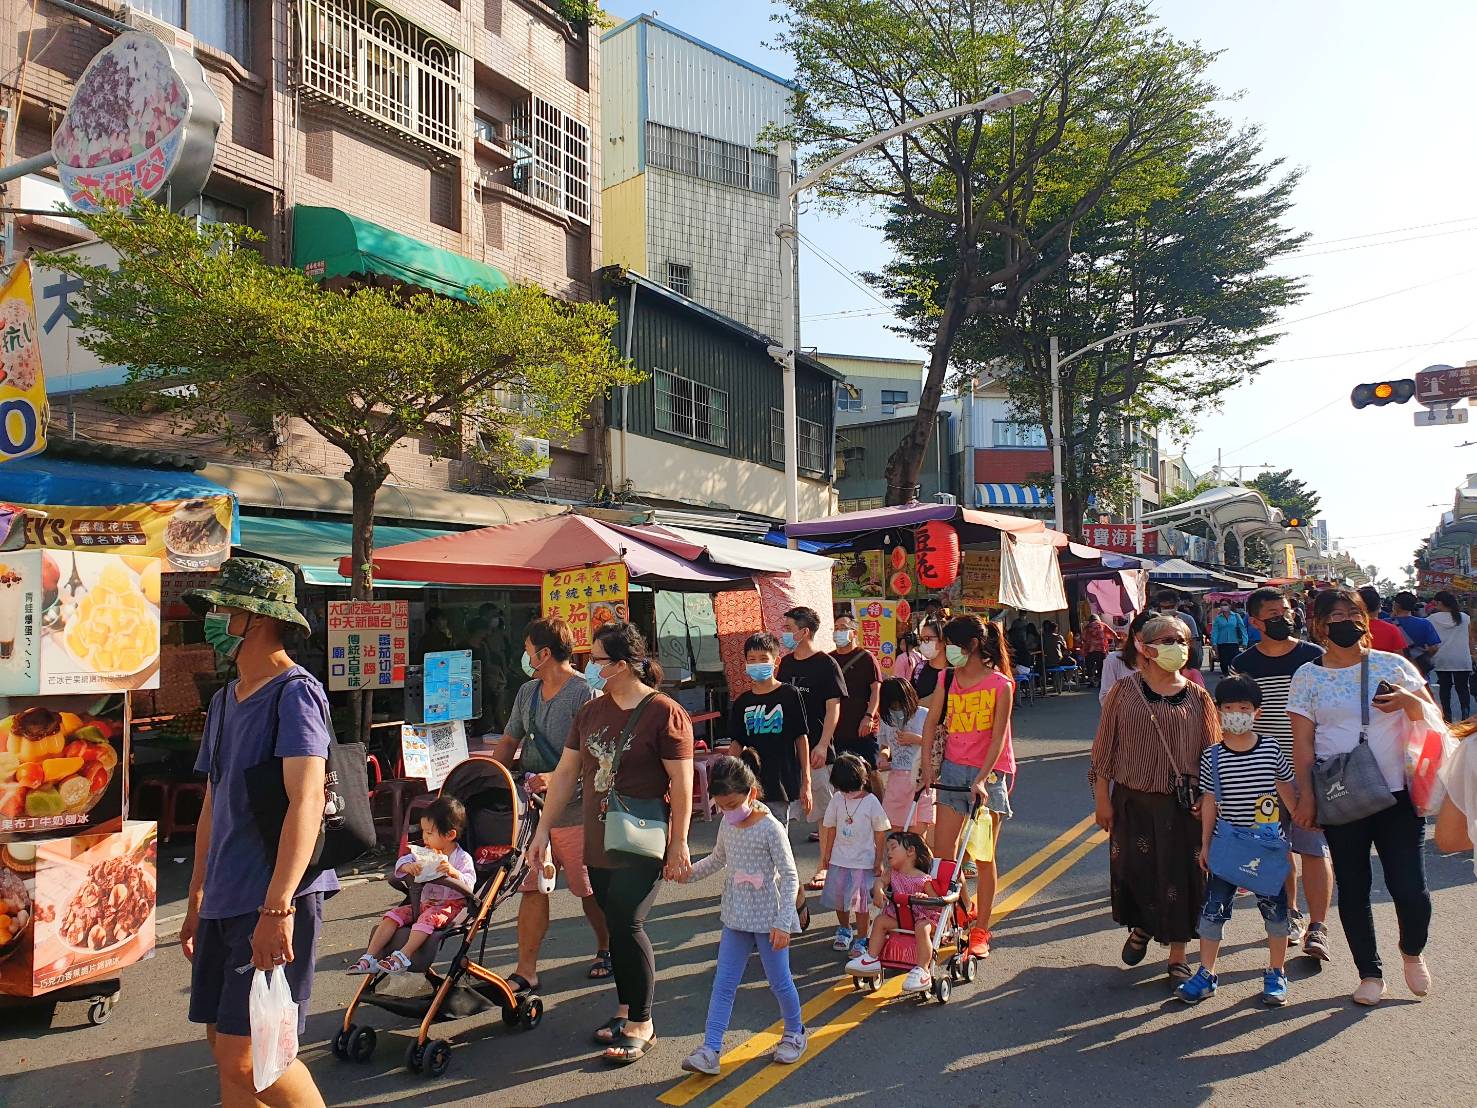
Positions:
(739, 814)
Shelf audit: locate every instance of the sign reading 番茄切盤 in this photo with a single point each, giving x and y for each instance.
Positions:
(22, 384)
(586, 599)
(368, 641)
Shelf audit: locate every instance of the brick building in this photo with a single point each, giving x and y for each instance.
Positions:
(468, 128)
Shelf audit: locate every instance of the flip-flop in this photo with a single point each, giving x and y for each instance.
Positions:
(601, 968)
(816, 883)
(522, 984)
(616, 1026)
(804, 914)
(632, 1047)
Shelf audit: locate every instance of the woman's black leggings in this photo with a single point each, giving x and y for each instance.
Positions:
(1462, 679)
(625, 896)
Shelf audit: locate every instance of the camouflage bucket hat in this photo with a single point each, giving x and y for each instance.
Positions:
(253, 585)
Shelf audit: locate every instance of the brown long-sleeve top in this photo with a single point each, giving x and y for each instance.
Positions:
(1127, 751)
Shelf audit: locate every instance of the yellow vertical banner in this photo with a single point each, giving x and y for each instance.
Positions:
(22, 384)
(1292, 562)
(586, 599)
(876, 627)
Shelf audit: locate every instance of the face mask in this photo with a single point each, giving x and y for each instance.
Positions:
(527, 665)
(897, 719)
(843, 638)
(1237, 723)
(929, 650)
(218, 635)
(1172, 656)
(787, 640)
(592, 675)
(954, 655)
(739, 814)
(759, 671)
(1345, 633)
(1278, 629)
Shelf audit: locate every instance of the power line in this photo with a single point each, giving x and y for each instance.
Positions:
(1386, 242)
(1391, 231)
(1371, 300)
(842, 271)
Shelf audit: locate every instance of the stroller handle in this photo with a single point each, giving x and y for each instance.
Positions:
(918, 900)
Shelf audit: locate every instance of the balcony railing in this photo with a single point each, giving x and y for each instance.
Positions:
(382, 67)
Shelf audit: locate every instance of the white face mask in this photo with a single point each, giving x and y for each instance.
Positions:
(929, 649)
(1237, 723)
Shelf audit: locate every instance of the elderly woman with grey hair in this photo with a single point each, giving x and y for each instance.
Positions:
(1145, 765)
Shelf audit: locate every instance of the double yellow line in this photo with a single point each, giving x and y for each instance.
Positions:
(1015, 888)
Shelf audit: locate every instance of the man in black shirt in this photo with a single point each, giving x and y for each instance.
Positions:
(818, 678)
(770, 718)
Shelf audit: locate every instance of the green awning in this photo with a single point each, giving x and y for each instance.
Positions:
(327, 242)
(315, 546)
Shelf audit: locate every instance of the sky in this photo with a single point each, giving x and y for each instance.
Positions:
(1375, 105)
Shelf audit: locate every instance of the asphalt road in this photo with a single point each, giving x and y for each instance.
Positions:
(1053, 1017)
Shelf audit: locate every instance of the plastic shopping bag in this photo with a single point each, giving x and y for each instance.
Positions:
(1427, 746)
(981, 843)
(273, 1027)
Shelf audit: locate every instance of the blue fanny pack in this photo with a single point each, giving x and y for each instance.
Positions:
(1254, 858)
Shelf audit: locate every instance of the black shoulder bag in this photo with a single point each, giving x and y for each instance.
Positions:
(347, 830)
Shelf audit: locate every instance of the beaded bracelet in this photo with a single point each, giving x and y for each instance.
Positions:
(280, 913)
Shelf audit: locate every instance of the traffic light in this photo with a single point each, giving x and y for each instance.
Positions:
(1380, 393)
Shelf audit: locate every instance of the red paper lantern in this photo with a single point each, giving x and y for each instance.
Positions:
(901, 584)
(937, 547)
(899, 558)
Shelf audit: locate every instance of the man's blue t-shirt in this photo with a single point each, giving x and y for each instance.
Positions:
(237, 869)
(1419, 630)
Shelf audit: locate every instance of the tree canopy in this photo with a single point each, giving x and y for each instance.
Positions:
(1285, 491)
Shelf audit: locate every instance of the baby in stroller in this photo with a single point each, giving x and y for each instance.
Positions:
(439, 857)
(909, 860)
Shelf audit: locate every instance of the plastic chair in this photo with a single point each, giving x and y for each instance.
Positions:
(702, 803)
(170, 822)
(388, 803)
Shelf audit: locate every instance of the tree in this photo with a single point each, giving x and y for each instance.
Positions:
(1116, 96)
(1197, 244)
(240, 344)
(1284, 491)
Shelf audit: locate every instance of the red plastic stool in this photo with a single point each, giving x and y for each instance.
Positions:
(388, 804)
(170, 822)
(141, 789)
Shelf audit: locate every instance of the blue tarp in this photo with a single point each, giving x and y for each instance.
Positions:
(42, 480)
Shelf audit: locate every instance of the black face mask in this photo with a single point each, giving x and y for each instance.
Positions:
(1278, 629)
(1345, 633)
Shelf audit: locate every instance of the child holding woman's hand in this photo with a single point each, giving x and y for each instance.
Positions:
(758, 909)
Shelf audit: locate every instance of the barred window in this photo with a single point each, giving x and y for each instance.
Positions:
(764, 173)
(711, 159)
(689, 409)
(557, 169)
(812, 442)
(669, 148)
(679, 278)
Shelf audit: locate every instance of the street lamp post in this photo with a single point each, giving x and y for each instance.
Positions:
(1057, 363)
(789, 191)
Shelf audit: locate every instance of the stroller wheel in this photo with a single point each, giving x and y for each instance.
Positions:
(941, 989)
(511, 1017)
(415, 1057)
(971, 968)
(340, 1045)
(438, 1057)
(952, 965)
(361, 1044)
(533, 1012)
(874, 982)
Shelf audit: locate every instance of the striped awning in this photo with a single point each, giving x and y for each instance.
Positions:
(1013, 496)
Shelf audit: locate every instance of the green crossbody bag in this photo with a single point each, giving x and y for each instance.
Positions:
(634, 825)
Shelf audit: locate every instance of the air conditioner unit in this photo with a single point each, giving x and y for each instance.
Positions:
(165, 32)
(946, 498)
(538, 449)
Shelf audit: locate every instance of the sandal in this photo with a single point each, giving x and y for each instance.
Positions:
(1180, 971)
(816, 883)
(367, 964)
(601, 968)
(395, 964)
(627, 1049)
(1136, 946)
(522, 984)
(611, 1030)
(804, 915)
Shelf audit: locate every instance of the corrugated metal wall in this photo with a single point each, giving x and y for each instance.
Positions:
(866, 477)
(683, 342)
(620, 108)
(691, 87)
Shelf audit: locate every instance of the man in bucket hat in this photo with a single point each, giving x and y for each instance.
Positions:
(247, 909)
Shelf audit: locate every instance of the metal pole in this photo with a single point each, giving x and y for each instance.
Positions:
(1056, 435)
(1138, 520)
(29, 165)
(786, 232)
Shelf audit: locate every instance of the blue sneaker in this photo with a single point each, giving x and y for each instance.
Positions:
(843, 940)
(859, 947)
(1199, 987)
(1274, 988)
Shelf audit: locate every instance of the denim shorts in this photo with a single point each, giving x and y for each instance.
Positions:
(1310, 844)
(219, 989)
(1219, 893)
(997, 789)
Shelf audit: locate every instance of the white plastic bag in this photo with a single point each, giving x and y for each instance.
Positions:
(273, 1027)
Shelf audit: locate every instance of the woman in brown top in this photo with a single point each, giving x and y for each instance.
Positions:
(1145, 764)
(655, 762)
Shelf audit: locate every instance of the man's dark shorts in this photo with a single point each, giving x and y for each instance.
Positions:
(218, 994)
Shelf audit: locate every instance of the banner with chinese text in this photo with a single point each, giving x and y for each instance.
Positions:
(368, 641)
(981, 580)
(22, 383)
(190, 535)
(587, 599)
(1118, 537)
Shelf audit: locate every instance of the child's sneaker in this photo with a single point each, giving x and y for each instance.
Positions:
(1199, 987)
(702, 1060)
(1315, 943)
(864, 965)
(792, 1047)
(919, 980)
(843, 940)
(859, 946)
(1274, 988)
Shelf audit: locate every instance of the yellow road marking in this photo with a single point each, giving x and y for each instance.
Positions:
(821, 1037)
(754, 1047)
(1016, 872)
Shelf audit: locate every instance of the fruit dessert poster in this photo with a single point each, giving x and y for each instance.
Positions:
(61, 764)
(21, 594)
(100, 624)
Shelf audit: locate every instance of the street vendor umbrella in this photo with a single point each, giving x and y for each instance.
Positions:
(521, 553)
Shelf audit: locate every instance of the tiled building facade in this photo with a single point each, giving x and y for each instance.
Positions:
(453, 148)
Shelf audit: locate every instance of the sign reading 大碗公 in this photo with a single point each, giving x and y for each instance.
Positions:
(142, 123)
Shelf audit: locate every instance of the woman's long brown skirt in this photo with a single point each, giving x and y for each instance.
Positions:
(1153, 863)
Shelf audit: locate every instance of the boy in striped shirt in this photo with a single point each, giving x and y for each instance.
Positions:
(1255, 787)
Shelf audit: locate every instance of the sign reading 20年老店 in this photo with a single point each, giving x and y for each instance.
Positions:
(586, 599)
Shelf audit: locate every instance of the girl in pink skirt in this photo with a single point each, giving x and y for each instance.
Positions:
(852, 836)
(901, 731)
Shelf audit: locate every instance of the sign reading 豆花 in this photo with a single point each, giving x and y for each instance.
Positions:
(586, 599)
(22, 383)
(368, 641)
